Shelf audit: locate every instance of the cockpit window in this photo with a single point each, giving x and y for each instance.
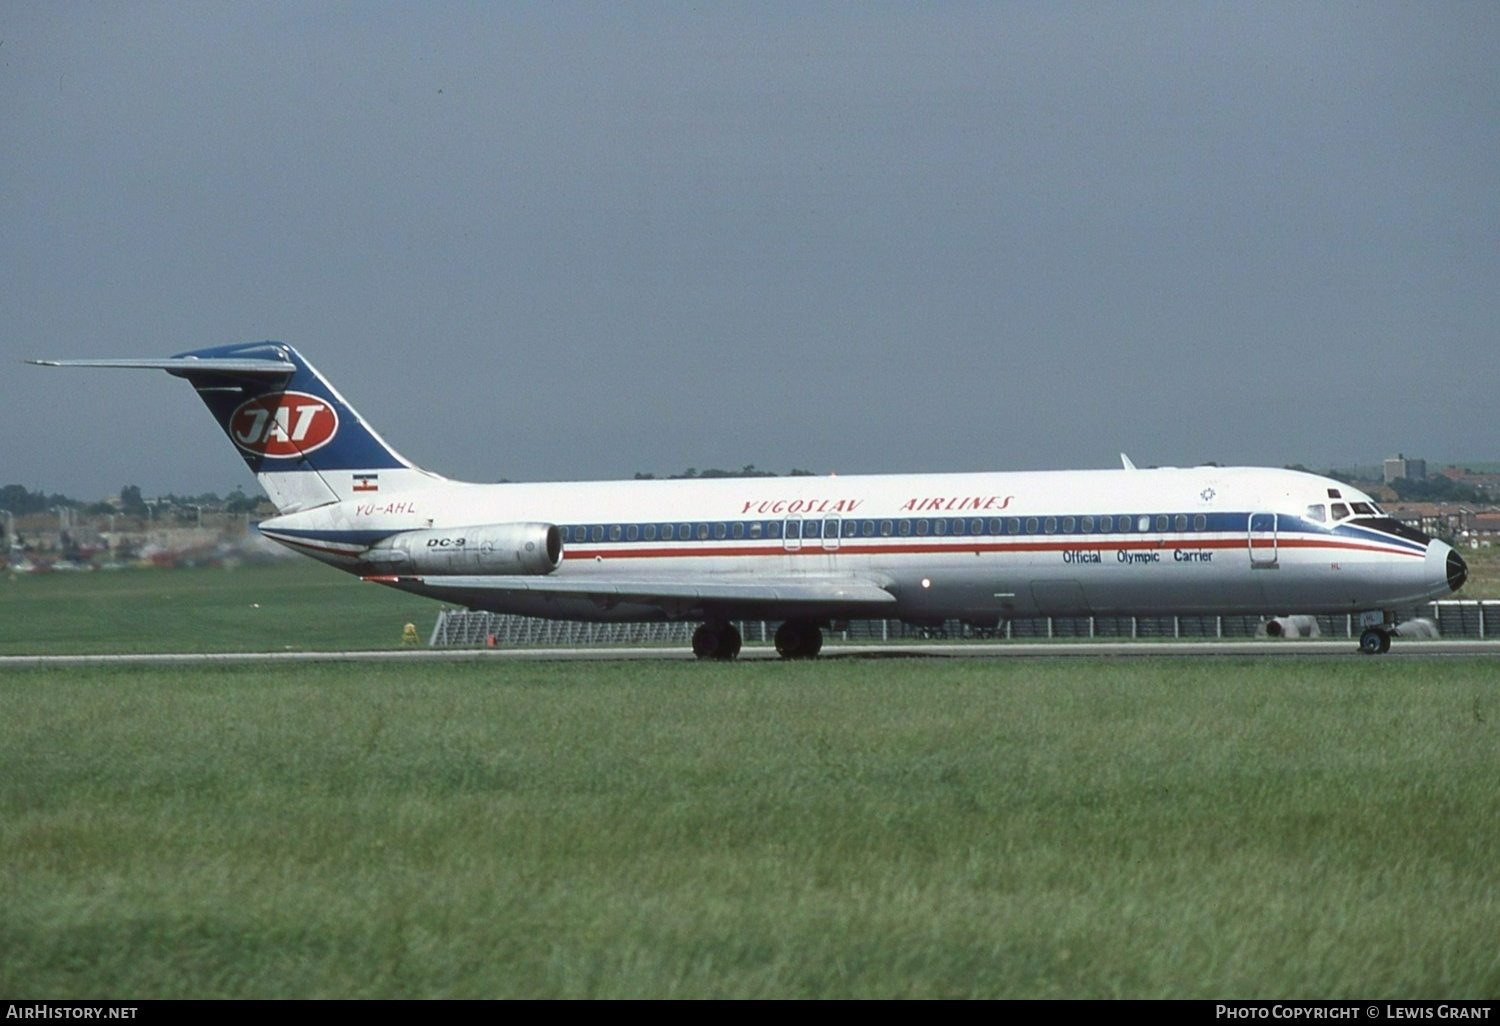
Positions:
(1364, 509)
(1340, 511)
(1317, 512)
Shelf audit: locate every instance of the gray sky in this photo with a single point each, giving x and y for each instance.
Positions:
(561, 241)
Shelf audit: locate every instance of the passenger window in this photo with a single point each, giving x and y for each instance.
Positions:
(1050, 526)
(773, 529)
(755, 529)
(1013, 525)
(812, 528)
(703, 532)
(940, 527)
(1067, 525)
(684, 532)
(1143, 524)
(867, 528)
(1086, 525)
(614, 532)
(631, 532)
(1340, 511)
(720, 530)
(976, 526)
(737, 530)
(666, 532)
(598, 532)
(958, 526)
(1161, 523)
(1106, 524)
(922, 527)
(1200, 522)
(851, 528)
(1318, 512)
(886, 527)
(905, 528)
(1180, 522)
(649, 532)
(1031, 525)
(995, 526)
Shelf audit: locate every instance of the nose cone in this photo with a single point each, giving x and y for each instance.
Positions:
(1458, 570)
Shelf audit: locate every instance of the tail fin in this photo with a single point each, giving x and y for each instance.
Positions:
(303, 441)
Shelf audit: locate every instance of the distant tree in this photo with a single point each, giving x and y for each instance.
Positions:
(19, 500)
(1434, 489)
(131, 501)
(693, 473)
(238, 502)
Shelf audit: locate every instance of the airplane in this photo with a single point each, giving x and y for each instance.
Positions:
(982, 548)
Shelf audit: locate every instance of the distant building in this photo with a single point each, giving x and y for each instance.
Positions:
(1399, 468)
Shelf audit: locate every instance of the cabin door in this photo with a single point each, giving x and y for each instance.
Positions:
(1262, 541)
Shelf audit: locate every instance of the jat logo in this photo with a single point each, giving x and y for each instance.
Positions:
(283, 424)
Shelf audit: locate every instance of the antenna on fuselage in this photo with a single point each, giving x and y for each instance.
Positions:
(1126, 461)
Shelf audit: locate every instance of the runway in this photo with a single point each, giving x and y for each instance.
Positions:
(1342, 648)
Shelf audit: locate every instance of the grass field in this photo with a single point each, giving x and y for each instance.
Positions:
(1023, 828)
(296, 604)
(1215, 827)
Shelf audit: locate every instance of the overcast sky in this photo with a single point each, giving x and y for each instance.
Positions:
(559, 241)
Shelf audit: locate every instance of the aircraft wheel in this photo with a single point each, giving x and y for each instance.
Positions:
(1374, 641)
(799, 639)
(729, 642)
(716, 641)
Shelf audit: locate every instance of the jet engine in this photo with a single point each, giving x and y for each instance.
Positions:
(487, 549)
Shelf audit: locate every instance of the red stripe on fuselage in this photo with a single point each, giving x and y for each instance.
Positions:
(859, 547)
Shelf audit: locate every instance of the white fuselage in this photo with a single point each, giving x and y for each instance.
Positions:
(980, 547)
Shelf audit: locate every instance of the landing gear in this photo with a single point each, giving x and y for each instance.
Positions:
(1375, 641)
(799, 639)
(716, 640)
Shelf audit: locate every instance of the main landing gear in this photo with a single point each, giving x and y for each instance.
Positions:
(716, 639)
(1376, 640)
(799, 639)
(795, 639)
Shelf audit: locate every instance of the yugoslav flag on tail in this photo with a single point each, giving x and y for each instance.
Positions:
(304, 442)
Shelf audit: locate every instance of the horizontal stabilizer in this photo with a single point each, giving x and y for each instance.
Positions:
(184, 365)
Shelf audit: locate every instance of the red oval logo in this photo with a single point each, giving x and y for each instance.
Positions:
(283, 424)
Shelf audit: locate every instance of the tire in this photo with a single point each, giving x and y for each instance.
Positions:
(1374, 641)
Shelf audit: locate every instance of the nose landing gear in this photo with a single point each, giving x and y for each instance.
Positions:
(1375, 641)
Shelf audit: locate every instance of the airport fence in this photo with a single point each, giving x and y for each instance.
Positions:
(458, 628)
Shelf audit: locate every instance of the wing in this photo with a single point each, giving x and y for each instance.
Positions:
(670, 596)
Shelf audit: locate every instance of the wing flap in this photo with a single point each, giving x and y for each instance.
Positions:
(841, 590)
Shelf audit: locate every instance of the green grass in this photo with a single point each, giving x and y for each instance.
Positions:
(1024, 828)
(299, 604)
(1484, 573)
